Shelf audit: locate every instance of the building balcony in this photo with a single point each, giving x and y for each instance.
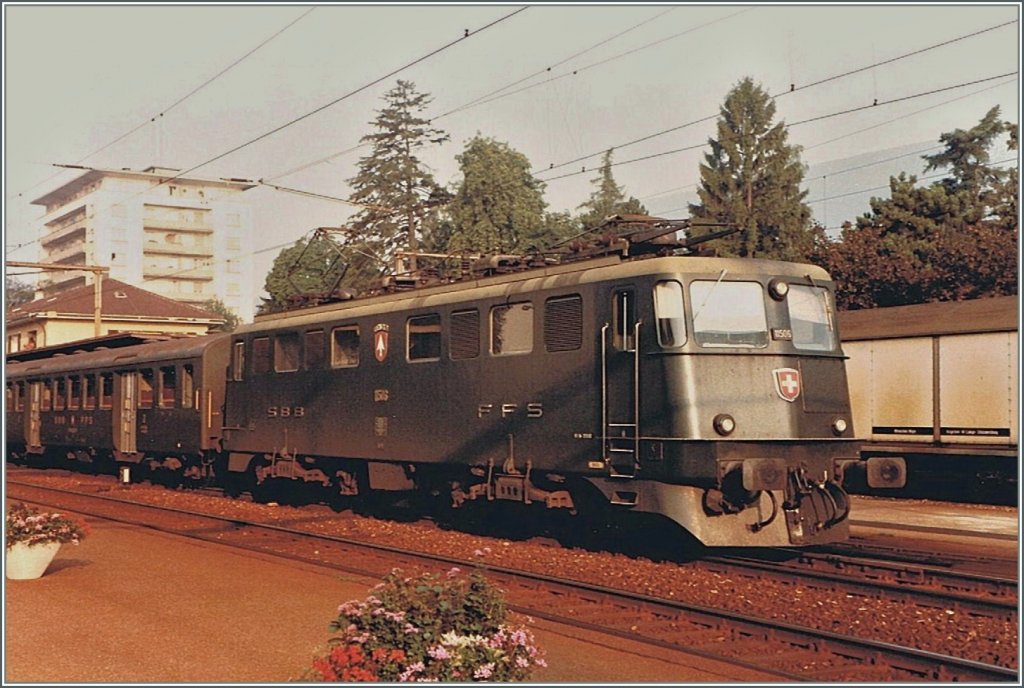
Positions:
(74, 252)
(70, 233)
(153, 223)
(202, 274)
(165, 249)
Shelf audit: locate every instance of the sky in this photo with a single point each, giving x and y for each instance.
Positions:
(212, 87)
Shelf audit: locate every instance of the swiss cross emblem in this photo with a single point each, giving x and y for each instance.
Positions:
(380, 342)
(787, 383)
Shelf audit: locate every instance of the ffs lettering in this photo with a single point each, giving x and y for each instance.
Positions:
(532, 410)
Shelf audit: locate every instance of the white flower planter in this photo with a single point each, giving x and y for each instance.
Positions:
(24, 562)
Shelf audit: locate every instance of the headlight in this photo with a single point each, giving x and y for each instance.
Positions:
(724, 424)
(778, 289)
(839, 426)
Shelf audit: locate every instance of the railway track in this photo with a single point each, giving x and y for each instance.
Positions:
(778, 649)
(911, 582)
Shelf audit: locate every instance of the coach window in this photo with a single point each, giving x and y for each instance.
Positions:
(90, 391)
(512, 329)
(75, 400)
(423, 337)
(465, 335)
(668, 310)
(238, 362)
(261, 355)
(563, 323)
(47, 400)
(19, 396)
(10, 396)
(146, 379)
(187, 385)
(624, 319)
(314, 350)
(811, 318)
(345, 346)
(729, 315)
(60, 394)
(106, 390)
(286, 352)
(168, 386)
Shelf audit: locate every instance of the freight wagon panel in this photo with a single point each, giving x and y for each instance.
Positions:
(899, 388)
(977, 389)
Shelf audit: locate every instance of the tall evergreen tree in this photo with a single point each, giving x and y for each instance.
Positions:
(397, 190)
(974, 190)
(751, 180)
(951, 240)
(608, 198)
(498, 205)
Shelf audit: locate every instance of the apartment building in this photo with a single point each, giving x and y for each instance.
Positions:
(187, 238)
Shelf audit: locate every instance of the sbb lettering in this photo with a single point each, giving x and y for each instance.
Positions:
(286, 411)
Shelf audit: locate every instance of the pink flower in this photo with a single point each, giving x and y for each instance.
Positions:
(485, 671)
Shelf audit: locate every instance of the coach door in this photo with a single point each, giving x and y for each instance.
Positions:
(620, 372)
(32, 418)
(124, 418)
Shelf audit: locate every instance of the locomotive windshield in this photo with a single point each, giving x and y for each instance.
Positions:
(729, 314)
(810, 317)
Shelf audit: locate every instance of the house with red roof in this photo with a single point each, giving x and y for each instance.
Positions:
(69, 316)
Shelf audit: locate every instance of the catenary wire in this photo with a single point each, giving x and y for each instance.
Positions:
(793, 89)
(176, 103)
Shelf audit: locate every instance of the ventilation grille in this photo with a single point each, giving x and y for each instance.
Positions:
(563, 324)
(465, 335)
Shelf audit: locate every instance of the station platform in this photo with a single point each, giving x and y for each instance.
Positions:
(972, 528)
(131, 605)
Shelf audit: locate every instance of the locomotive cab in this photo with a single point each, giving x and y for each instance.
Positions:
(725, 403)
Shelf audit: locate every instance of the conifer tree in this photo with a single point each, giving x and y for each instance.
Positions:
(608, 198)
(751, 180)
(397, 190)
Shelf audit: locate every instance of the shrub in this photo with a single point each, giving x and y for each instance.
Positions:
(28, 525)
(428, 628)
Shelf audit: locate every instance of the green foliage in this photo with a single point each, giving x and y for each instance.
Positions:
(427, 628)
(607, 199)
(751, 180)
(17, 292)
(498, 206)
(218, 307)
(310, 266)
(398, 191)
(876, 270)
(954, 239)
(27, 525)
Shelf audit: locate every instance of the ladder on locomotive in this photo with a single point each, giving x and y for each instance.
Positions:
(620, 389)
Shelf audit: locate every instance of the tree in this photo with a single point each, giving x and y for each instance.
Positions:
(608, 199)
(310, 266)
(17, 292)
(218, 307)
(974, 191)
(751, 180)
(397, 191)
(498, 206)
(952, 240)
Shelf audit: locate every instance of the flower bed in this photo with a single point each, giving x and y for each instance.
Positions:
(428, 628)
